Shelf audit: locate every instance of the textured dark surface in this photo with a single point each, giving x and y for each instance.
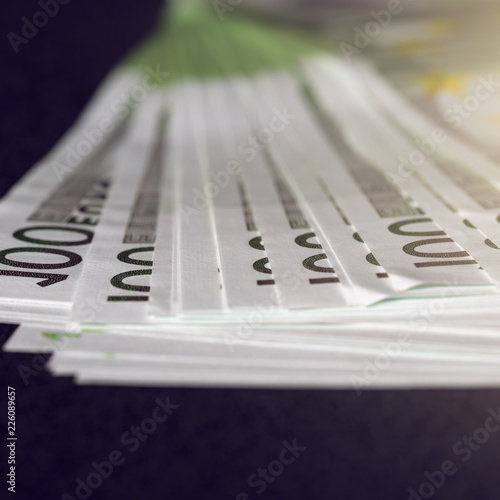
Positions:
(372, 446)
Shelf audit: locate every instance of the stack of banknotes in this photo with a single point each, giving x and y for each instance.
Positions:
(248, 204)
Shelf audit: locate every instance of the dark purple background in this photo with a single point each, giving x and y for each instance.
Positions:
(372, 446)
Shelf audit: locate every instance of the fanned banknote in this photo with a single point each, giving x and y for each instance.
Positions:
(251, 204)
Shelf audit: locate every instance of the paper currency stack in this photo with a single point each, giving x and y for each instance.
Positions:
(250, 204)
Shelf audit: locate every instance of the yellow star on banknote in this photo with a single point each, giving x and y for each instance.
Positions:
(438, 81)
(414, 47)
